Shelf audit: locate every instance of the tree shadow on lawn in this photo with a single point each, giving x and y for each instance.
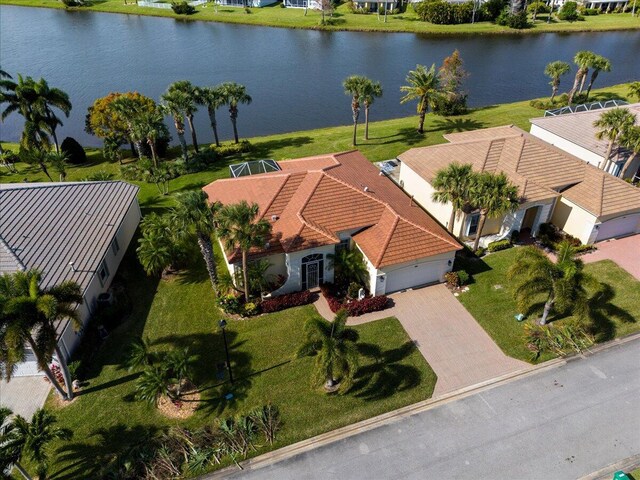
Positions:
(472, 265)
(115, 445)
(385, 376)
(405, 136)
(451, 125)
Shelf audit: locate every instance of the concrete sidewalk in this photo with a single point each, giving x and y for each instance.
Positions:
(24, 395)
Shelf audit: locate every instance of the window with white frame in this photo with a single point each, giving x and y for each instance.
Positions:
(103, 273)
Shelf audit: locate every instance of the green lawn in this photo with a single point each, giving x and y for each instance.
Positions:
(634, 474)
(388, 138)
(490, 301)
(181, 313)
(344, 20)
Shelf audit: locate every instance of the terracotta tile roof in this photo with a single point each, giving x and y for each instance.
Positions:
(311, 200)
(578, 127)
(540, 170)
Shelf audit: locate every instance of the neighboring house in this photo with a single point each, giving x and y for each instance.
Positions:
(76, 231)
(245, 3)
(574, 133)
(554, 186)
(368, 5)
(603, 5)
(317, 205)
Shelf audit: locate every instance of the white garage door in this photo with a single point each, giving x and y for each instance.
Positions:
(415, 275)
(618, 227)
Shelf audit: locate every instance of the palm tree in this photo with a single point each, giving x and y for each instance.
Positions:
(234, 94)
(178, 363)
(29, 315)
(36, 156)
(563, 283)
(424, 86)
(47, 99)
(193, 213)
(631, 141)
(212, 98)
(583, 60)
(58, 161)
(372, 91)
(188, 104)
(355, 86)
(348, 265)
(451, 185)
(129, 110)
(161, 245)
(611, 125)
(555, 70)
(334, 346)
(240, 228)
(495, 196)
(148, 127)
(33, 438)
(634, 90)
(173, 104)
(10, 449)
(598, 64)
(141, 355)
(153, 383)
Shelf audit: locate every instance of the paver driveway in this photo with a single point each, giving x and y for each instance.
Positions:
(624, 251)
(24, 395)
(455, 345)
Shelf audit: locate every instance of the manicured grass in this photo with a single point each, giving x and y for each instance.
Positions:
(180, 313)
(490, 301)
(388, 138)
(634, 474)
(343, 19)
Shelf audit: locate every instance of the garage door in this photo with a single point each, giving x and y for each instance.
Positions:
(619, 227)
(415, 275)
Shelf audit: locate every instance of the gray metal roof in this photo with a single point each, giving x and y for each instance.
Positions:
(48, 225)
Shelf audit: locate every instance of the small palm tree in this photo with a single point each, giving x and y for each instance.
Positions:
(634, 90)
(179, 364)
(153, 384)
(58, 161)
(372, 91)
(188, 95)
(562, 284)
(174, 104)
(348, 265)
(631, 141)
(598, 64)
(161, 245)
(583, 60)
(423, 86)
(141, 355)
(611, 126)
(33, 439)
(148, 127)
(212, 98)
(10, 449)
(334, 346)
(451, 185)
(555, 70)
(239, 227)
(355, 86)
(234, 94)
(495, 196)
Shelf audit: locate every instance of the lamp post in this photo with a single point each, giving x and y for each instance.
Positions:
(223, 324)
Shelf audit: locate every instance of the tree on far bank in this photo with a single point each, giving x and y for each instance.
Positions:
(423, 86)
(555, 70)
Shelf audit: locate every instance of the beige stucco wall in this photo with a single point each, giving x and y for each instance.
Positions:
(575, 221)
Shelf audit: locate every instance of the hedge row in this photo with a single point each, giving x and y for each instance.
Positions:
(355, 308)
(288, 300)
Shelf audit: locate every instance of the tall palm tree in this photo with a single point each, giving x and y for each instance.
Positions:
(611, 125)
(372, 91)
(555, 70)
(148, 127)
(234, 94)
(33, 438)
(173, 104)
(334, 346)
(355, 86)
(47, 99)
(10, 450)
(423, 86)
(128, 109)
(582, 59)
(631, 141)
(494, 195)
(193, 213)
(212, 98)
(30, 315)
(598, 64)
(451, 185)
(240, 228)
(634, 90)
(189, 105)
(563, 283)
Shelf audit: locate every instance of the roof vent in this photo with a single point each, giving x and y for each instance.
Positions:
(274, 218)
(73, 269)
(366, 189)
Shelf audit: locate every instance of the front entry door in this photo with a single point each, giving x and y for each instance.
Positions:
(312, 275)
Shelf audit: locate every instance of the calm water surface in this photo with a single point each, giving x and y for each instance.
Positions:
(294, 76)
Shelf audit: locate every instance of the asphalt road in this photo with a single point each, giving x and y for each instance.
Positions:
(559, 424)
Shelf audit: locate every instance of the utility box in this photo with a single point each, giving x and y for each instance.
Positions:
(620, 475)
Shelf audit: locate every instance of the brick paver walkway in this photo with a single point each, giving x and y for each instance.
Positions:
(24, 395)
(455, 345)
(624, 251)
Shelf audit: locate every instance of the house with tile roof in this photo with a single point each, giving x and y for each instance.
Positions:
(70, 231)
(553, 185)
(319, 204)
(575, 134)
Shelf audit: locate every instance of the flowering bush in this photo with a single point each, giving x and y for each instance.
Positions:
(354, 307)
(289, 300)
(250, 309)
(230, 303)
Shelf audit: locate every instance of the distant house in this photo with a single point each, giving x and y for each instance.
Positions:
(318, 205)
(245, 3)
(574, 133)
(69, 231)
(554, 186)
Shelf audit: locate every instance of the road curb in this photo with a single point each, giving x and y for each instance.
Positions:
(626, 465)
(309, 444)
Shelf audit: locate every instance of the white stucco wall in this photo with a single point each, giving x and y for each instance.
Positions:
(294, 267)
(575, 221)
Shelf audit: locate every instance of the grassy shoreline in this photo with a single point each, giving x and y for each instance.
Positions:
(408, 22)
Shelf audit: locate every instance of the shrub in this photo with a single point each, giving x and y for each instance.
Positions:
(367, 305)
(560, 339)
(72, 3)
(230, 303)
(250, 309)
(229, 149)
(492, 9)
(452, 279)
(446, 105)
(440, 12)
(353, 290)
(463, 276)
(499, 245)
(539, 7)
(589, 11)
(481, 251)
(569, 12)
(182, 8)
(74, 151)
(517, 21)
(288, 300)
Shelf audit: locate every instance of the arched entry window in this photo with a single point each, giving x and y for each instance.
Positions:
(312, 274)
